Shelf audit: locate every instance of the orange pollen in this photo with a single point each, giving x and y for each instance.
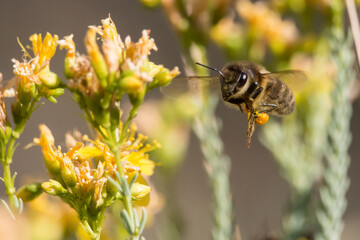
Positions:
(261, 118)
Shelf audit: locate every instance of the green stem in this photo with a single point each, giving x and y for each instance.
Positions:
(7, 160)
(114, 145)
(86, 226)
(9, 186)
(132, 115)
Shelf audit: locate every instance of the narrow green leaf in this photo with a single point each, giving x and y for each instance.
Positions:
(127, 223)
(8, 208)
(112, 181)
(143, 221)
(136, 218)
(133, 180)
(21, 205)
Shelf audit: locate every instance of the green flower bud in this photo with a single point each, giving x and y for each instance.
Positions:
(137, 98)
(52, 164)
(8, 131)
(97, 59)
(131, 84)
(51, 99)
(69, 63)
(49, 79)
(163, 78)
(52, 94)
(2, 135)
(54, 188)
(58, 92)
(5, 130)
(29, 192)
(32, 93)
(68, 173)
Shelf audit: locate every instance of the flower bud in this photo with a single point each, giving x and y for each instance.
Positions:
(97, 59)
(131, 84)
(5, 133)
(54, 188)
(57, 92)
(68, 172)
(52, 94)
(140, 190)
(52, 164)
(163, 78)
(29, 192)
(49, 78)
(137, 98)
(8, 131)
(32, 91)
(70, 58)
(68, 67)
(49, 151)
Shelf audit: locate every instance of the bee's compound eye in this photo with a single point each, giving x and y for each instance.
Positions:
(241, 79)
(261, 118)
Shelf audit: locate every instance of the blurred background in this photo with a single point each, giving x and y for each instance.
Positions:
(259, 193)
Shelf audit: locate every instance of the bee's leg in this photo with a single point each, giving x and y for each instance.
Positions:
(241, 107)
(268, 107)
(251, 128)
(249, 108)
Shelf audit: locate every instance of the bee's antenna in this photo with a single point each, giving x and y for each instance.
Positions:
(212, 68)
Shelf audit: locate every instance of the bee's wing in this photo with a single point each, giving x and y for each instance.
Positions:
(192, 84)
(294, 79)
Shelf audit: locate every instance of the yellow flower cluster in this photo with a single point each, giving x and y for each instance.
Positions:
(124, 65)
(267, 24)
(83, 169)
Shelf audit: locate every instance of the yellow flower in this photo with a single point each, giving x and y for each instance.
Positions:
(47, 141)
(113, 46)
(45, 50)
(75, 166)
(139, 51)
(68, 44)
(76, 172)
(133, 153)
(26, 71)
(36, 69)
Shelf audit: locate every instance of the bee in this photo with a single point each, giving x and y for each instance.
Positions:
(255, 91)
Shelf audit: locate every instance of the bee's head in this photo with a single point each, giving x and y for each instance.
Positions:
(235, 77)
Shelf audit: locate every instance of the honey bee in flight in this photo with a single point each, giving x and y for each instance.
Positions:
(255, 91)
